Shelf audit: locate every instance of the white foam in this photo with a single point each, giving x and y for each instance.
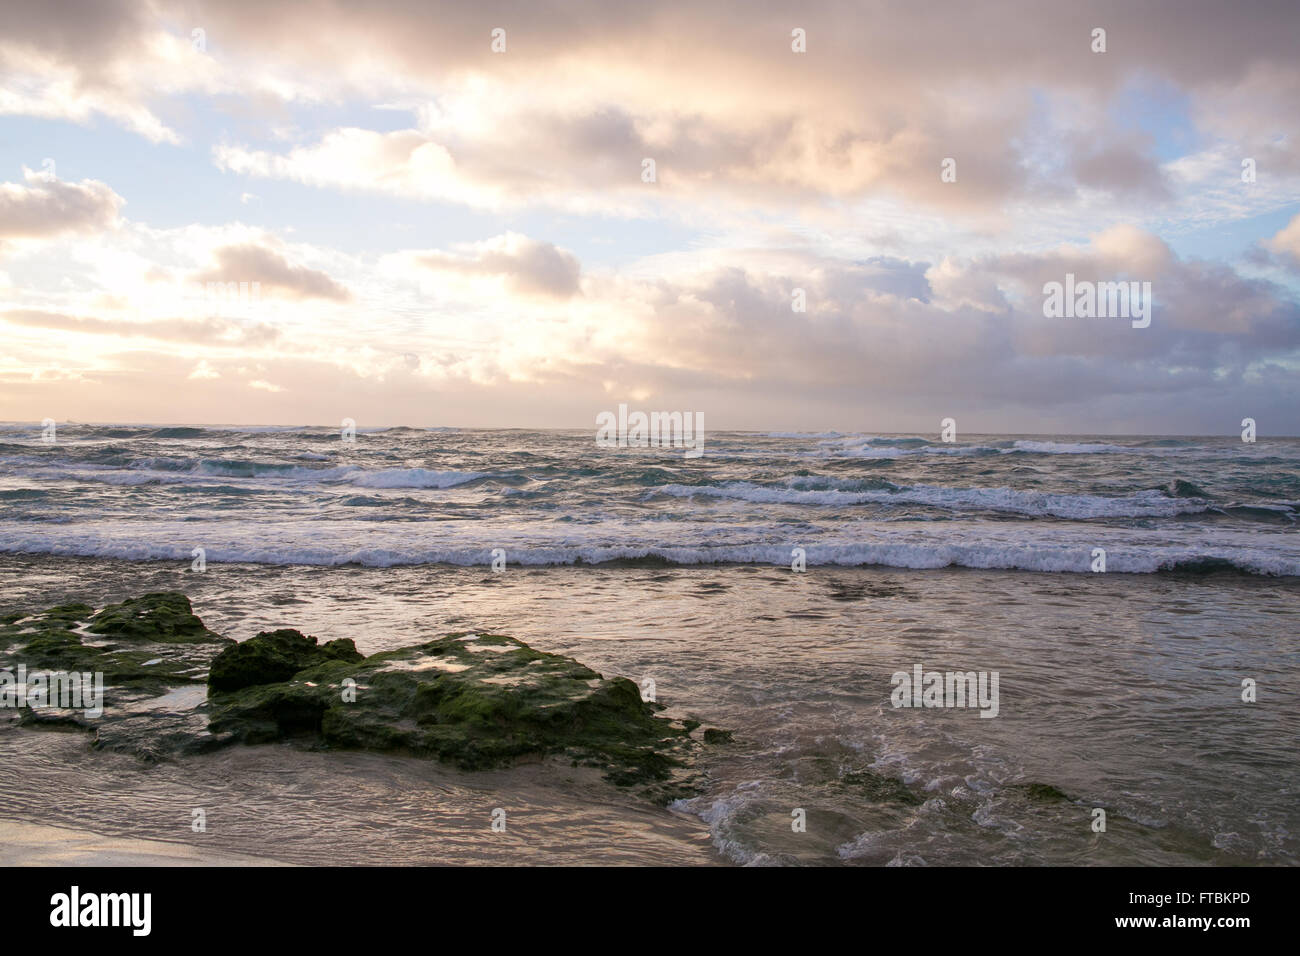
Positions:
(1035, 503)
(1013, 545)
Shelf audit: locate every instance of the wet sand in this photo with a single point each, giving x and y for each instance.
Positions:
(31, 844)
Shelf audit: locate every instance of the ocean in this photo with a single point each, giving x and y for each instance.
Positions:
(1122, 589)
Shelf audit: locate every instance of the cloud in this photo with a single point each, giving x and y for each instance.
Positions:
(78, 59)
(817, 171)
(1286, 244)
(528, 266)
(196, 332)
(252, 263)
(729, 113)
(43, 208)
(972, 337)
(569, 122)
(402, 163)
(593, 160)
(1124, 171)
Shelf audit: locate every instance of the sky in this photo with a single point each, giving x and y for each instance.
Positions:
(796, 216)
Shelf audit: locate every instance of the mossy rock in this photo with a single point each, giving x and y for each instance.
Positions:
(274, 656)
(161, 617)
(476, 701)
(144, 644)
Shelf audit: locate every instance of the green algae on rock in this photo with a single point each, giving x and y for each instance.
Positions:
(143, 645)
(164, 616)
(274, 656)
(473, 700)
(153, 653)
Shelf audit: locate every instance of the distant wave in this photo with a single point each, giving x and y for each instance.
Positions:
(178, 432)
(871, 446)
(1033, 503)
(804, 435)
(169, 470)
(412, 478)
(1072, 448)
(256, 429)
(198, 431)
(867, 450)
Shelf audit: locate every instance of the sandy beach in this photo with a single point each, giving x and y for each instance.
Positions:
(32, 844)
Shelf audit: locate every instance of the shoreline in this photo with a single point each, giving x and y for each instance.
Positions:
(1191, 569)
(43, 844)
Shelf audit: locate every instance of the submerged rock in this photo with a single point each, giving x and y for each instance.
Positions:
(474, 700)
(1040, 792)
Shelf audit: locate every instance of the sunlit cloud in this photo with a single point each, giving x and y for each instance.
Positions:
(42, 206)
(631, 200)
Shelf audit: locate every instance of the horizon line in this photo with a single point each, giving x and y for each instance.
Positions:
(757, 431)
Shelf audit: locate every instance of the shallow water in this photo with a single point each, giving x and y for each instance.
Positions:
(1123, 692)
